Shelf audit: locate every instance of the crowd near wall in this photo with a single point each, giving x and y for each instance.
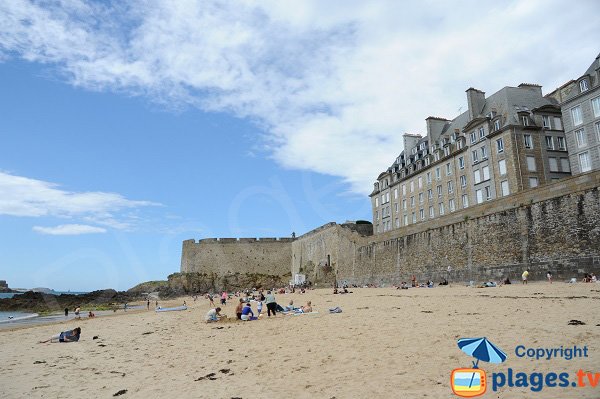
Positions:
(554, 228)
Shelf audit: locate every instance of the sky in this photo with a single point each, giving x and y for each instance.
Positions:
(129, 126)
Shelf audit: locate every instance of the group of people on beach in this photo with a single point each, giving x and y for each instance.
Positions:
(244, 311)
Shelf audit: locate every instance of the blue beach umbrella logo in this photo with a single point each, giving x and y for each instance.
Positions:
(469, 382)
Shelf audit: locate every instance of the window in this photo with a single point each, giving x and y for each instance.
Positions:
(561, 143)
(473, 137)
(596, 106)
(504, 188)
(376, 215)
(428, 177)
(404, 204)
(565, 165)
(479, 196)
(397, 222)
(421, 214)
(584, 162)
(459, 144)
(486, 173)
(461, 162)
(396, 193)
(404, 189)
(396, 207)
(420, 182)
(533, 182)
(481, 133)
(546, 121)
(382, 199)
(475, 155)
(500, 145)
(412, 186)
(553, 164)
(414, 217)
(502, 167)
(441, 206)
(451, 205)
(576, 115)
(450, 187)
(527, 140)
(581, 139)
(525, 120)
(484, 152)
(438, 175)
(497, 125)
(487, 192)
(549, 142)
(420, 198)
(557, 123)
(477, 176)
(412, 201)
(531, 164)
(439, 191)
(583, 85)
(387, 197)
(436, 156)
(405, 219)
(376, 201)
(446, 151)
(597, 127)
(463, 181)
(429, 194)
(465, 200)
(431, 212)
(448, 169)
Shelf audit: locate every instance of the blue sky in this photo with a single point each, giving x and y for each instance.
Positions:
(127, 127)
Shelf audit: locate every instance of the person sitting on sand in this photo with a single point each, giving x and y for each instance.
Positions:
(594, 278)
(507, 281)
(91, 314)
(65, 336)
(307, 308)
(213, 315)
(239, 308)
(247, 313)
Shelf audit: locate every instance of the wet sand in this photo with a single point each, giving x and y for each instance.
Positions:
(387, 343)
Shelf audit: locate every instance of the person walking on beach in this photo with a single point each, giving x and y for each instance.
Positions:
(549, 276)
(66, 312)
(210, 299)
(271, 304)
(259, 307)
(524, 276)
(224, 298)
(148, 304)
(77, 310)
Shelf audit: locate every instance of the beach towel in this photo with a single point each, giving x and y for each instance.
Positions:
(337, 309)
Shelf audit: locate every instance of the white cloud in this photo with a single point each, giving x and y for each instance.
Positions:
(68, 230)
(334, 84)
(23, 196)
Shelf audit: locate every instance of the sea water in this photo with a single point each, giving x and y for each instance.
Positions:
(15, 314)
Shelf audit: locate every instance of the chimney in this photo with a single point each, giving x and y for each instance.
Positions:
(531, 86)
(435, 126)
(475, 101)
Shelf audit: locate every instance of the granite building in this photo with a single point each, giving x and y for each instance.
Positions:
(503, 144)
(580, 104)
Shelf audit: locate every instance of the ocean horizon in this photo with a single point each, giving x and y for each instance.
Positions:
(7, 295)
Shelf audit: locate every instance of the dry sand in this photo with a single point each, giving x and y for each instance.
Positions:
(387, 343)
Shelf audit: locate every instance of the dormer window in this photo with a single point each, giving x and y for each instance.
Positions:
(497, 125)
(481, 133)
(524, 120)
(583, 85)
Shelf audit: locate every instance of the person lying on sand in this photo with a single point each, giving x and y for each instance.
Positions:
(213, 315)
(65, 336)
(307, 308)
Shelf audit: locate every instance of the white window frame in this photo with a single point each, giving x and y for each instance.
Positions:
(528, 141)
(463, 181)
(596, 107)
(485, 171)
(441, 208)
(461, 162)
(533, 182)
(500, 146)
(439, 190)
(497, 125)
(577, 115)
(561, 143)
(502, 167)
(448, 169)
(481, 133)
(451, 205)
(450, 187)
(584, 162)
(431, 212)
(546, 121)
(465, 200)
(479, 196)
(597, 128)
(484, 152)
(581, 137)
(504, 188)
(475, 156)
(584, 85)
(553, 164)
(473, 137)
(565, 165)
(531, 164)
(477, 176)
(549, 142)
(558, 123)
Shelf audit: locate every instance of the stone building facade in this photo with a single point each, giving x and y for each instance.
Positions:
(503, 144)
(580, 104)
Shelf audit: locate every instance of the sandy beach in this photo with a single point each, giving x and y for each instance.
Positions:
(387, 343)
